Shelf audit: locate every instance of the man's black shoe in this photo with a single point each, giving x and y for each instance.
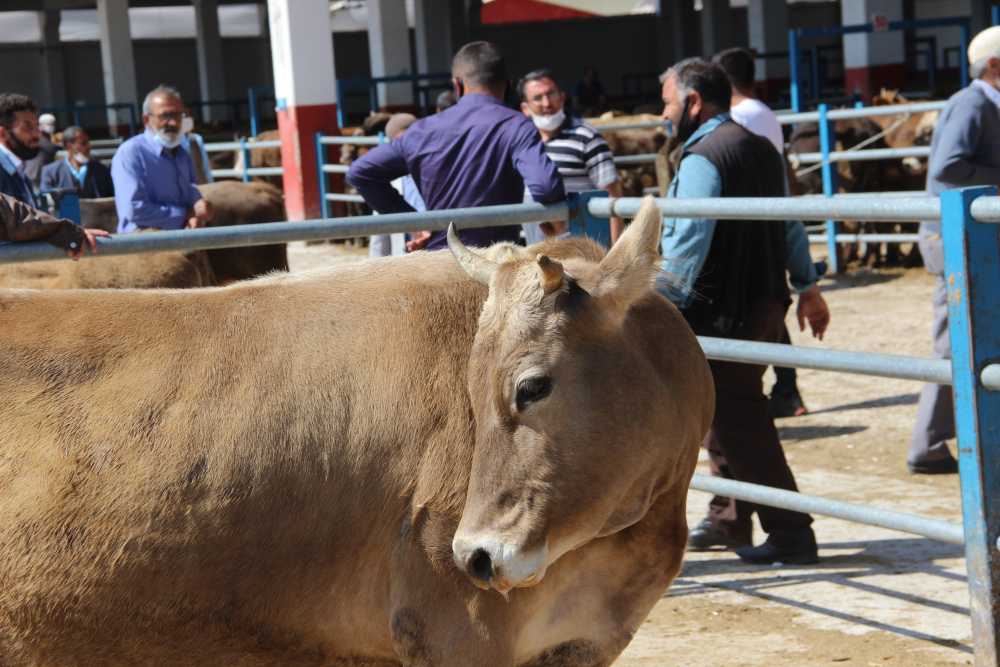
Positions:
(703, 537)
(768, 554)
(948, 466)
(787, 406)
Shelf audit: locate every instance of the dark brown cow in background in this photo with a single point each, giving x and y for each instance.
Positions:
(235, 203)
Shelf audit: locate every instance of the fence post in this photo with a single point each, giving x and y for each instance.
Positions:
(963, 53)
(321, 175)
(245, 152)
(995, 14)
(583, 223)
(254, 112)
(971, 260)
(827, 139)
(795, 66)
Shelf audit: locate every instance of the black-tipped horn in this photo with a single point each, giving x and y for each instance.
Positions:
(479, 268)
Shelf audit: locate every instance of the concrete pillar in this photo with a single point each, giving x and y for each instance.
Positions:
(433, 36)
(685, 28)
(767, 22)
(118, 63)
(873, 60)
(302, 53)
(208, 43)
(716, 26)
(389, 49)
(53, 74)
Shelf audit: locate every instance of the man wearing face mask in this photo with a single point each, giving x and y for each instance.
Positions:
(19, 139)
(729, 282)
(477, 153)
(91, 179)
(579, 151)
(153, 173)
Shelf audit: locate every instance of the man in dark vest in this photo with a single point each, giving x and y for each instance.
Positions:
(728, 279)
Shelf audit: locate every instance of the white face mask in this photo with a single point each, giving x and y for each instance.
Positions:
(187, 125)
(549, 123)
(81, 158)
(46, 128)
(164, 138)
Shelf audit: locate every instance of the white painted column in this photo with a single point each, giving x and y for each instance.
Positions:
(389, 49)
(53, 72)
(118, 62)
(208, 43)
(873, 60)
(432, 28)
(716, 26)
(767, 22)
(302, 53)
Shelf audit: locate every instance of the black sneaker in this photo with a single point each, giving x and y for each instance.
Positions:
(787, 406)
(703, 537)
(948, 466)
(768, 554)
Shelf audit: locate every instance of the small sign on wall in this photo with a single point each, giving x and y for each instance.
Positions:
(880, 22)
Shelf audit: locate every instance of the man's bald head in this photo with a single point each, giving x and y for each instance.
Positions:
(482, 68)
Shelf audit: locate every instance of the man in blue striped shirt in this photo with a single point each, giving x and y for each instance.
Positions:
(579, 151)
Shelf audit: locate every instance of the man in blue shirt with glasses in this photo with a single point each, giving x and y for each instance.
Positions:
(153, 173)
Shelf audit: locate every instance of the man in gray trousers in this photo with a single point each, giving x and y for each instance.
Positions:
(965, 151)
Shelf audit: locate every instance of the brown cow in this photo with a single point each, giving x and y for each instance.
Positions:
(235, 204)
(244, 476)
(633, 142)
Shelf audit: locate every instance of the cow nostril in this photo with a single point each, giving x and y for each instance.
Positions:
(482, 565)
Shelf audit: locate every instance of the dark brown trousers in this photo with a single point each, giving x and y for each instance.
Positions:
(743, 442)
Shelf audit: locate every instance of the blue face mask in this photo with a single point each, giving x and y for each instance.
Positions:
(160, 139)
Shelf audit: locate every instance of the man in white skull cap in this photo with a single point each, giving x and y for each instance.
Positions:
(965, 151)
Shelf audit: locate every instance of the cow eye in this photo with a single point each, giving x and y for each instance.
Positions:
(532, 389)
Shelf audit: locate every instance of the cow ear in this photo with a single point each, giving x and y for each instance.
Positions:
(629, 270)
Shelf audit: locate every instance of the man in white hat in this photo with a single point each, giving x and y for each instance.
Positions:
(965, 151)
(46, 150)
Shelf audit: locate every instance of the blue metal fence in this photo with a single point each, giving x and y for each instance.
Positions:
(78, 109)
(369, 85)
(796, 35)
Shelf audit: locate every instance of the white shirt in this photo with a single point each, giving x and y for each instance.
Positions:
(755, 116)
(18, 163)
(990, 91)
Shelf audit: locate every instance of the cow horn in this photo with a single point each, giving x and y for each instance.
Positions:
(550, 273)
(479, 268)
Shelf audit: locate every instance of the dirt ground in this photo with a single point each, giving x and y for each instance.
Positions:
(877, 597)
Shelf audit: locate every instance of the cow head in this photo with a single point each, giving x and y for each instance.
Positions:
(568, 446)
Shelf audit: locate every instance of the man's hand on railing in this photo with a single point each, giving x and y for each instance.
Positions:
(419, 241)
(198, 214)
(90, 240)
(813, 307)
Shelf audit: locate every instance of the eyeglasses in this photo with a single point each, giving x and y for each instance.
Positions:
(164, 117)
(552, 95)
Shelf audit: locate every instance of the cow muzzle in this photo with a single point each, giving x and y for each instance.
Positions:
(491, 563)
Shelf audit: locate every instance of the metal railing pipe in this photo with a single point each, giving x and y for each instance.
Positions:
(284, 232)
(866, 238)
(935, 529)
(252, 171)
(336, 168)
(644, 158)
(355, 141)
(863, 155)
(219, 146)
(986, 209)
(334, 196)
(863, 112)
(644, 125)
(914, 209)
(841, 361)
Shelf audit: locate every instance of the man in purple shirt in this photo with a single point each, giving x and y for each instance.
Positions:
(153, 173)
(477, 153)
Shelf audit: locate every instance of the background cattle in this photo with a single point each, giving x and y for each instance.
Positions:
(633, 142)
(235, 204)
(243, 476)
